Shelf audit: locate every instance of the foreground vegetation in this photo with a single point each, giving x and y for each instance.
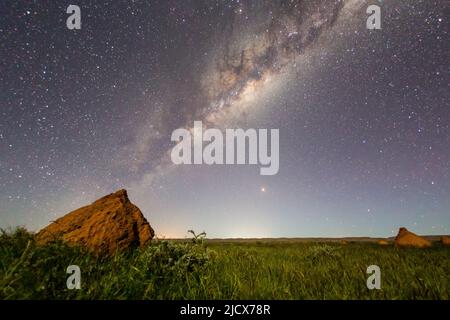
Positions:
(222, 270)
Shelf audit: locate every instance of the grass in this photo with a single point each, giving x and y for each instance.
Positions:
(222, 270)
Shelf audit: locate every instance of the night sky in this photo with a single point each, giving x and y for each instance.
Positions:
(364, 115)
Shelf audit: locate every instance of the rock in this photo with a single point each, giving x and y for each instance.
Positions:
(110, 224)
(406, 238)
(383, 242)
(445, 240)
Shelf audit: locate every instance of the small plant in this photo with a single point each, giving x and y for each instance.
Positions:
(197, 238)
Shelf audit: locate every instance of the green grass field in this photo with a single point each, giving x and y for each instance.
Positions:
(223, 270)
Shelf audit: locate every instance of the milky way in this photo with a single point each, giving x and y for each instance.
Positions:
(242, 67)
(363, 114)
(290, 28)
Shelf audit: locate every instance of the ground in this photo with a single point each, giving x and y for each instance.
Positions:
(222, 269)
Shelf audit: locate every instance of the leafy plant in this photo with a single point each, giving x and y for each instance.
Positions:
(197, 238)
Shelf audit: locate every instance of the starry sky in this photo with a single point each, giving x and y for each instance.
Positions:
(364, 115)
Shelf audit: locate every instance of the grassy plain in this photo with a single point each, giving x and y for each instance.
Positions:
(202, 269)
